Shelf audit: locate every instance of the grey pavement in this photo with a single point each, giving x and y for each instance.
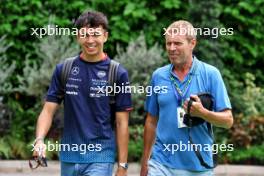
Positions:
(21, 168)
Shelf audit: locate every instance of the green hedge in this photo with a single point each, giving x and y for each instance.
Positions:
(239, 57)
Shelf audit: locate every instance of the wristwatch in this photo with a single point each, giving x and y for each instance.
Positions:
(123, 165)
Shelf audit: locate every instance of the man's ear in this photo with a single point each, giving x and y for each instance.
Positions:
(105, 36)
(193, 43)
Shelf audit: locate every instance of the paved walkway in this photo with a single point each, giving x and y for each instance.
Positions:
(20, 168)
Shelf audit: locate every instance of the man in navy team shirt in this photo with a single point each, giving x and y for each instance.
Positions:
(89, 141)
(185, 77)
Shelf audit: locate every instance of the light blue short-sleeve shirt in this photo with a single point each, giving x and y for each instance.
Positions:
(163, 105)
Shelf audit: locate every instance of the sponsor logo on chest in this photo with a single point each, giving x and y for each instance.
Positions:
(101, 74)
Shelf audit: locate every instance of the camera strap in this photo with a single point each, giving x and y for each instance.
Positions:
(197, 152)
(182, 93)
(199, 156)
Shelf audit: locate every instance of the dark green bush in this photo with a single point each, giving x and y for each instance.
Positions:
(24, 78)
(251, 156)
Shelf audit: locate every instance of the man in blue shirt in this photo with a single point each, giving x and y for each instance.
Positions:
(167, 143)
(88, 144)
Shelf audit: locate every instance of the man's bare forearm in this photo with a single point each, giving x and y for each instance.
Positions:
(222, 119)
(122, 135)
(45, 119)
(149, 137)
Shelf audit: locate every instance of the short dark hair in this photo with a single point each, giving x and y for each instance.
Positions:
(92, 19)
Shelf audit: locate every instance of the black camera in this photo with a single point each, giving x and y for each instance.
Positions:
(207, 102)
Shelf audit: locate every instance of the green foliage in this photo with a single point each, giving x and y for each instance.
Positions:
(253, 155)
(253, 97)
(50, 50)
(5, 118)
(248, 38)
(140, 62)
(135, 147)
(238, 58)
(127, 18)
(15, 144)
(246, 96)
(5, 150)
(26, 62)
(213, 48)
(24, 120)
(247, 101)
(11, 148)
(6, 69)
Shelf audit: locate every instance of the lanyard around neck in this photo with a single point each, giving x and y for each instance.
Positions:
(180, 92)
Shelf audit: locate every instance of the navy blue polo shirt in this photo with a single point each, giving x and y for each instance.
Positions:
(88, 135)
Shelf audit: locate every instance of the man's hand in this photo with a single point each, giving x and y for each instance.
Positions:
(121, 171)
(222, 119)
(39, 149)
(43, 126)
(144, 169)
(197, 108)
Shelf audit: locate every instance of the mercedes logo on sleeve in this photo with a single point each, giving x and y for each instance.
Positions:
(75, 71)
